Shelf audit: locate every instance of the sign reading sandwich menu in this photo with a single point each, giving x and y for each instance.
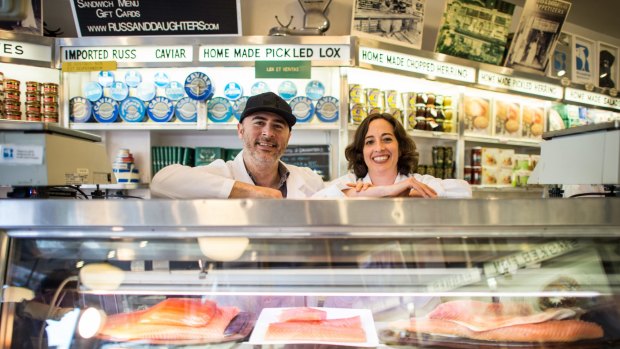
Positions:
(156, 17)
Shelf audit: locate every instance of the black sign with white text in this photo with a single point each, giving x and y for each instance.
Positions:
(156, 17)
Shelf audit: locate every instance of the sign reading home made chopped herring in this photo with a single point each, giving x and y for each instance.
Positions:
(156, 17)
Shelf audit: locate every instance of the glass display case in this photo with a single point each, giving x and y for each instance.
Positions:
(366, 273)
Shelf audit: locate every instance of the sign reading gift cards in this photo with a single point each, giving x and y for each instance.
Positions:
(156, 17)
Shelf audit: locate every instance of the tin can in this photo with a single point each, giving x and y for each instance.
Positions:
(49, 99)
(13, 115)
(32, 116)
(438, 156)
(467, 172)
(32, 86)
(409, 100)
(50, 108)
(439, 172)
(50, 89)
(33, 97)
(375, 97)
(11, 84)
(11, 95)
(358, 113)
(430, 100)
(430, 170)
(476, 175)
(50, 117)
(391, 99)
(356, 94)
(421, 169)
(11, 106)
(476, 156)
(33, 107)
(448, 157)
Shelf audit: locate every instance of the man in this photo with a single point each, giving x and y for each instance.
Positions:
(257, 172)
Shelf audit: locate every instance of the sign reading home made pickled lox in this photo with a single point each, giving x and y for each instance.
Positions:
(24, 50)
(416, 64)
(250, 53)
(520, 85)
(128, 54)
(591, 98)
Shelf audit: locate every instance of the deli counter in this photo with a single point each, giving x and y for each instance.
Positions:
(406, 273)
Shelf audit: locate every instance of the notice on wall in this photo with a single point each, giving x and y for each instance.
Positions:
(156, 17)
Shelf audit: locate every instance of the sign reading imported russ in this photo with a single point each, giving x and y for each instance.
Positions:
(156, 17)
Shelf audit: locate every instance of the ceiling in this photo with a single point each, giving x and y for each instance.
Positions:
(598, 15)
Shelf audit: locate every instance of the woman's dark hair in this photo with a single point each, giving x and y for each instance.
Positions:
(408, 155)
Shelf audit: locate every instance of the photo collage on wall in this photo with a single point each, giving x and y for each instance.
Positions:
(537, 33)
(398, 21)
(475, 30)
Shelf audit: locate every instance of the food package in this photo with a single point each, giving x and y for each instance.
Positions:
(490, 156)
(505, 158)
(489, 175)
(533, 121)
(476, 115)
(507, 118)
(504, 176)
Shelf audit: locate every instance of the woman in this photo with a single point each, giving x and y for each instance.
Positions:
(382, 158)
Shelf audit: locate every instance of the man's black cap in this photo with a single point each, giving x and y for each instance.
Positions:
(271, 102)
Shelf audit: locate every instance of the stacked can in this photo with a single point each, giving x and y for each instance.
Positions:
(443, 163)
(375, 99)
(448, 114)
(357, 104)
(409, 105)
(33, 101)
(476, 165)
(12, 104)
(49, 102)
(392, 104)
(2, 114)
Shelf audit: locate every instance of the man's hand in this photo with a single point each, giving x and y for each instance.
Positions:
(242, 190)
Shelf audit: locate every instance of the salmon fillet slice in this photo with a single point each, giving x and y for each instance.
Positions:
(333, 330)
(549, 331)
(180, 311)
(483, 316)
(128, 327)
(299, 314)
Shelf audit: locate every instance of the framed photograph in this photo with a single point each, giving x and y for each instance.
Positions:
(537, 33)
(562, 61)
(475, 31)
(396, 21)
(607, 66)
(584, 60)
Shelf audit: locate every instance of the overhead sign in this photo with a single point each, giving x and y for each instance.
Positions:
(416, 64)
(156, 17)
(520, 85)
(72, 67)
(591, 98)
(23, 50)
(143, 54)
(251, 53)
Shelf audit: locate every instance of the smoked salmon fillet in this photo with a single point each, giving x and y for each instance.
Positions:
(332, 330)
(549, 331)
(301, 314)
(180, 311)
(150, 327)
(482, 316)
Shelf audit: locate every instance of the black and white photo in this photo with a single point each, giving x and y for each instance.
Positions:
(398, 21)
(537, 33)
(584, 58)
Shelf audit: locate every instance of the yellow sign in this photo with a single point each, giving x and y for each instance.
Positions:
(70, 67)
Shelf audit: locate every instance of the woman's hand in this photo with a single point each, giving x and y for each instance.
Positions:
(419, 189)
(359, 186)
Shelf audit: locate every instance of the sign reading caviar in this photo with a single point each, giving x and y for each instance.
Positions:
(156, 17)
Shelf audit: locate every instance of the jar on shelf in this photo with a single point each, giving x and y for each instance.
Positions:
(467, 174)
(476, 175)
(11, 84)
(476, 156)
